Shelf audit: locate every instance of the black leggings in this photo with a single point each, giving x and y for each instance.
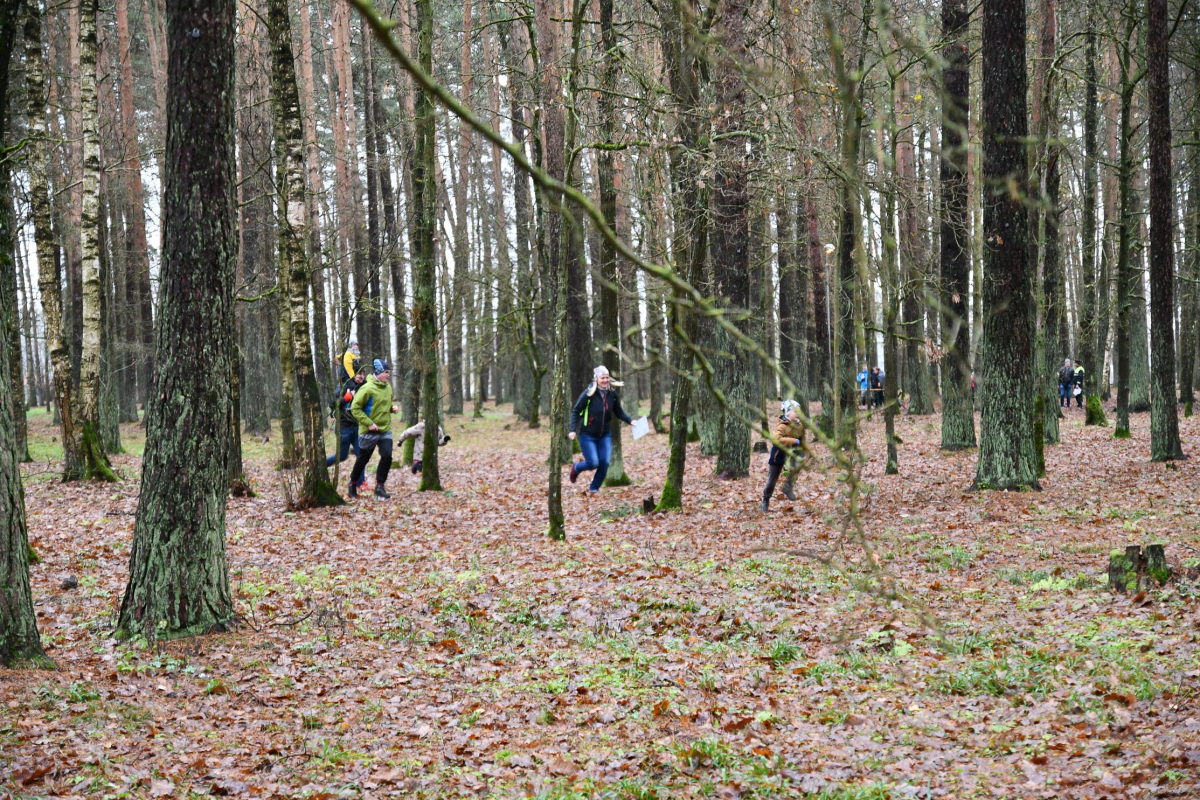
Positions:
(773, 473)
(366, 449)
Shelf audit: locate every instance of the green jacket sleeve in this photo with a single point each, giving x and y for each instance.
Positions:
(356, 407)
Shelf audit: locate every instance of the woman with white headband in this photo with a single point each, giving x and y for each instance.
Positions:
(591, 416)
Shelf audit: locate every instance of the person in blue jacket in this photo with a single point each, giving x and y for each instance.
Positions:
(864, 387)
(591, 418)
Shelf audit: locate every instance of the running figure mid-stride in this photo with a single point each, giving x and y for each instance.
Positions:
(789, 434)
(592, 414)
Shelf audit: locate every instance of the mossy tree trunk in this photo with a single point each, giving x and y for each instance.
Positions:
(425, 323)
(178, 580)
(292, 222)
(1007, 455)
(1124, 271)
(958, 418)
(840, 406)
(1164, 413)
(729, 215)
(95, 459)
(20, 643)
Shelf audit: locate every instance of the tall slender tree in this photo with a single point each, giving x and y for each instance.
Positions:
(1088, 327)
(96, 463)
(20, 643)
(1164, 413)
(425, 323)
(292, 222)
(958, 418)
(178, 579)
(1007, 458)
(729, 214)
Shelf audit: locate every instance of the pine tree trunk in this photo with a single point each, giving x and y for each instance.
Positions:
(1007, 458)
(1089, 324)
(958, 416)
(1164, 419)
(1125, 221)
(610, 329)
(425, 323)
(10, 324)
(1055, 299)
(839, 408)
(20, 643)
(178, 580)
(729, 211)
(374, 332)
(139, 254)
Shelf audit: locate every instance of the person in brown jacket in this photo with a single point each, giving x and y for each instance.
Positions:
(789, 442)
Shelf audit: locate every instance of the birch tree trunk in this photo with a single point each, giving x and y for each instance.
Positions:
(95, 459)
(292, 222)
(49, 285)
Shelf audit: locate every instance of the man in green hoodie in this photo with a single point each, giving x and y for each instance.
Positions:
(372, 407)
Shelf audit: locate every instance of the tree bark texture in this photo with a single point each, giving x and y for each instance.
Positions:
(178, 580)
(1164, 413)
(1007, 459)
(425, 323)
(95, 459)
(292, 222)
(729, 214)
(958, 417)
(20, 643)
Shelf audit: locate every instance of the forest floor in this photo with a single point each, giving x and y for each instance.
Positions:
(439, 645)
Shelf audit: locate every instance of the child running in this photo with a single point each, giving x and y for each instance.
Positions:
(789, 441)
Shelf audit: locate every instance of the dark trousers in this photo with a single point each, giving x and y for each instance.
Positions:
(773, 473)
(1078, 400)
(366, 448)
(347, 441)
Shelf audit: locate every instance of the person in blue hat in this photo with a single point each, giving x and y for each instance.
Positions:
(372, 407)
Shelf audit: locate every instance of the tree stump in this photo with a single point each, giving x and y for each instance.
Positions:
(648, 505)
(1137, 569)
(760, 446)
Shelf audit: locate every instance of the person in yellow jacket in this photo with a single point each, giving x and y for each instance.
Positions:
(350, 361)
(788, 444)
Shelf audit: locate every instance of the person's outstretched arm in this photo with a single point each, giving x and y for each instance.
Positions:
(619, 412)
